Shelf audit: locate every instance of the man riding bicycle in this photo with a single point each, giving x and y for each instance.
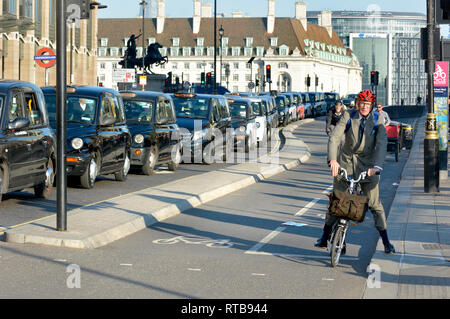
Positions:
(364, 149)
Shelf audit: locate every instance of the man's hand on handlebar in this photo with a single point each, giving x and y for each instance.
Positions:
(334, 168)
(373, 171)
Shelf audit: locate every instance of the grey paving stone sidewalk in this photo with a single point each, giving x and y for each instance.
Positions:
(419, 227)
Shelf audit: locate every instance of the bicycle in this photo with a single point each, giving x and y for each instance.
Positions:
(340, 227)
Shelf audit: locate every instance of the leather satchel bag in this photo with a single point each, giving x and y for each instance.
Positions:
(350, 206)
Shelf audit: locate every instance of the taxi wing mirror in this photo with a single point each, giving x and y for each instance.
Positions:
(109, 120)
(19, 123)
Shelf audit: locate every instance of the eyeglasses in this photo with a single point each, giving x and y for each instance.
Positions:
(365, 104)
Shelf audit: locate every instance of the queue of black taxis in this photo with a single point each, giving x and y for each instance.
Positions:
(153, 126)
(27, 142)
(98, 139)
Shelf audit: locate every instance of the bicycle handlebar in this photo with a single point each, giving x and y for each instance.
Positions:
(343, 172)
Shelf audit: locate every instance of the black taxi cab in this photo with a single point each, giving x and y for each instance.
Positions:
(243, 123)
(98, 139)
(153, 126)
(27, 142)
(205, 126)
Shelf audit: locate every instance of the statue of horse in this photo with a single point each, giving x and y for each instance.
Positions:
(153, 56)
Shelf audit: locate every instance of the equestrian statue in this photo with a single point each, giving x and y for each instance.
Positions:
(153, 56)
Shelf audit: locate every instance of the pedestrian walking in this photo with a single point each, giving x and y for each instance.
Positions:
(333, 117)
(382, 113)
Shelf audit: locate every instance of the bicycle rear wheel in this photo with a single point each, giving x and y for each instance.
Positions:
(336, 246)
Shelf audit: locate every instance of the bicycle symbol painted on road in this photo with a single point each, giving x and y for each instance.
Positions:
(212, 243)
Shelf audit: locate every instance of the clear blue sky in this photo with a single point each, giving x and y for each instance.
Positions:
(257, 8)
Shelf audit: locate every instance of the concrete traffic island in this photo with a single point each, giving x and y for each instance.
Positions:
(101, 223)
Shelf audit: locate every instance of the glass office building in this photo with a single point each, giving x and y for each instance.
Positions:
(406, 77)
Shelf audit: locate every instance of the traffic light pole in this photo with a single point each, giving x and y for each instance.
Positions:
(431, 142)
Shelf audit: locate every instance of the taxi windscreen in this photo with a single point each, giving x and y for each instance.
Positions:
(79, 109)
(195, 107)
(138, 110)
(256, 107)
(238, 110)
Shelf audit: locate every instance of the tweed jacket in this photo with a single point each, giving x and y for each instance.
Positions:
(357, 157)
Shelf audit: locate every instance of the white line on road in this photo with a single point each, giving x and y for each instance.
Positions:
(313, 202)
(265, 240)
(256, 274)
(280, 229)
(298, 255)
(129, 265)
(194, 269)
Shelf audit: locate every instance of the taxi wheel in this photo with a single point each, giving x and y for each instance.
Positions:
(90, 175)
(176, 159)
(149, 166)
(44, 189)
(122, 175)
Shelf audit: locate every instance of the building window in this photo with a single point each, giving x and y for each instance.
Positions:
(273, 42)
(224, 41)
(26, 8)
(114, 51)
(198, 51)
(187, 51)
(282, 65)
(224, 51)
(151, 41)
(101, 51)
(174, 65)
(176, 42)
(12, 6)
(199, 65)
(210, 51)
(248, 42)
(260, 51)
(163, 51)
(236, 77)
(248, 65)
(248, 51)
(235, 89)
(284, 50)
(248, 77)
(187, 66)
(104, 42)
(236, 65)
(200, 42)
(236, 51)
(102, 65)
(174, 51)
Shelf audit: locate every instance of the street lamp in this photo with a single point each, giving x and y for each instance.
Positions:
(215, 47)
(221, 32)
(143, 4)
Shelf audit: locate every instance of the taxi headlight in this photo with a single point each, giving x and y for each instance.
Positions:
(77, 143)
(138, 138)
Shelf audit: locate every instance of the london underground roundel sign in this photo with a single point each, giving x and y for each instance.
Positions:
(45, 58)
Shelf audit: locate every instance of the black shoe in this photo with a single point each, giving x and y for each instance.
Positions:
(344, 249)
(321, 243)
(389, 249)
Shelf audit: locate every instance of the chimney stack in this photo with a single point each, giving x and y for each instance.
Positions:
(197, 16)
(207, 10)
(271, 17)
(325, 21)
(300, 13)
(161, 16)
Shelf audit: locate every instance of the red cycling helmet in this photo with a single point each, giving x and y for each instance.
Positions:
(366, 96)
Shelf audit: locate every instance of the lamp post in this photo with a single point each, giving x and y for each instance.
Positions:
(143, 4)
(215, 47)
(431, 142)
(221, 33)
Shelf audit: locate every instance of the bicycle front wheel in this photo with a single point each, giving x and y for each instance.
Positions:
(336, 246)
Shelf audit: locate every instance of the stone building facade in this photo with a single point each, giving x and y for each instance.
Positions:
(26, 26)
(294, 48)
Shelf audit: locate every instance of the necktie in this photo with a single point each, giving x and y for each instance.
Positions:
(361, 128)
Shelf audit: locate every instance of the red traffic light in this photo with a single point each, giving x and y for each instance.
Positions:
(268, 67)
